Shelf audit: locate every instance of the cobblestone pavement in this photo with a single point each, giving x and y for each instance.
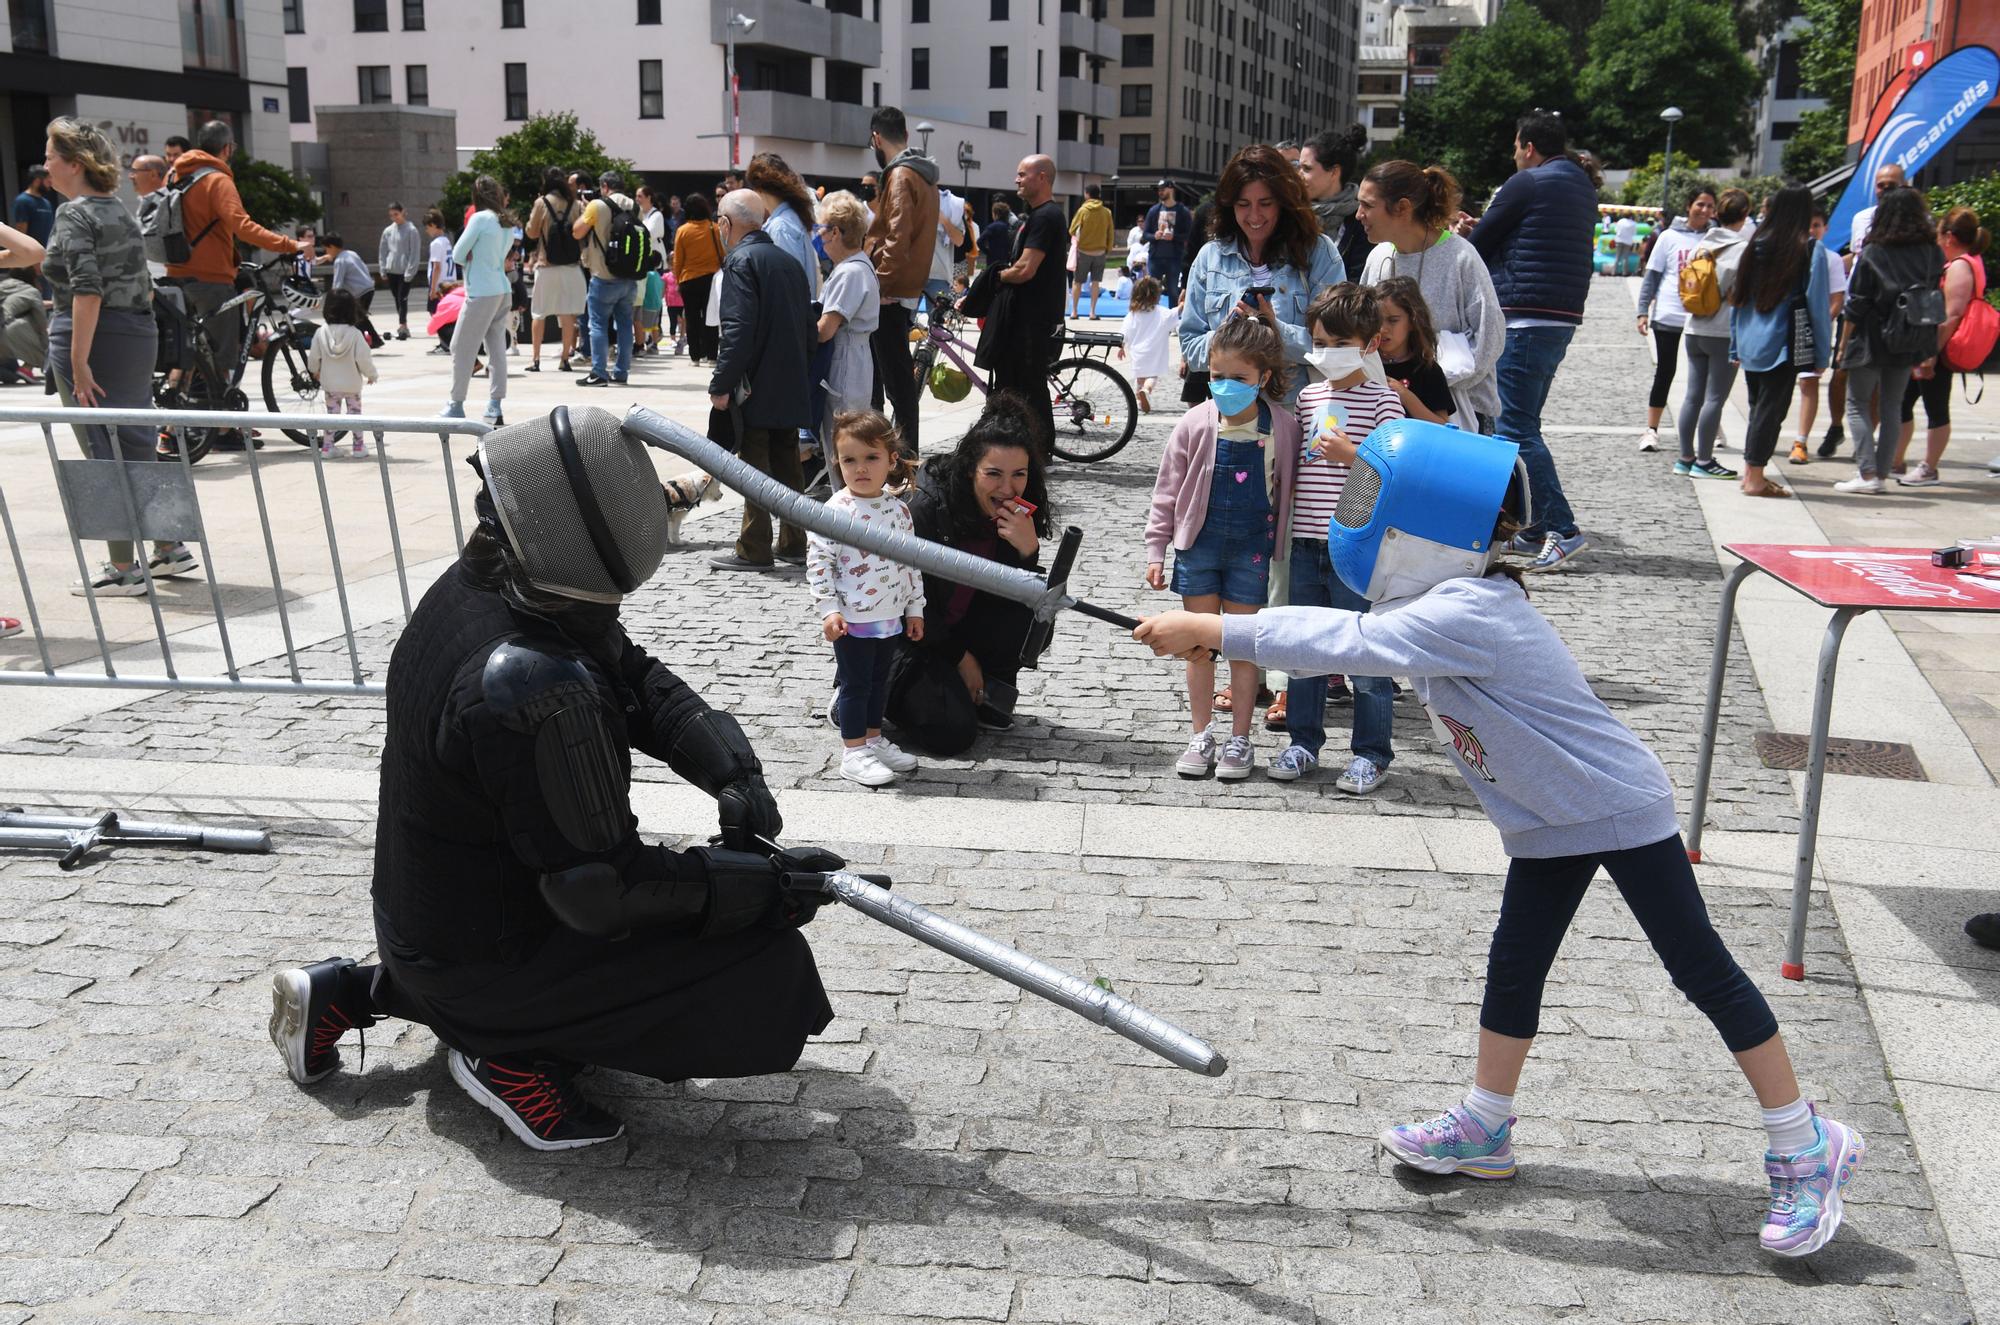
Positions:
(952, 1150)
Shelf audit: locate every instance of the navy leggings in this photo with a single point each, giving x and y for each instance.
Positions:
(861, 671)
(1658, 884)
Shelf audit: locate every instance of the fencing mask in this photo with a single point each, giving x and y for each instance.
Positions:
(1419, 508)
(579, 502)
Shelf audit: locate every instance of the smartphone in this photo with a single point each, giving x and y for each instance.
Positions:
(1255, 292)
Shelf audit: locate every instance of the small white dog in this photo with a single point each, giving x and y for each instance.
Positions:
(683, 495)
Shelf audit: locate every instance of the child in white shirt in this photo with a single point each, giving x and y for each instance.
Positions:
(863, 599)
(1149, 336)
(339, 358)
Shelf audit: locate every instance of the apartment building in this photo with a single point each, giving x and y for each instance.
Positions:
(994, 79)
(141, 70)
(1199, 79)
(1775, 114)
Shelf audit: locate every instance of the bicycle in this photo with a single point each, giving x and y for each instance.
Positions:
(194, 376)
(1085, 395)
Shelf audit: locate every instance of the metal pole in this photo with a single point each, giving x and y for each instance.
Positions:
(1667, 175)
(1794, 967)
(1718, 663)
(729, 85)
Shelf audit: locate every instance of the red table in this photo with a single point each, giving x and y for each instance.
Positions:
(1850, 580)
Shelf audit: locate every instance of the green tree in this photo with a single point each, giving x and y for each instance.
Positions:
(1646, 55)
(1575, 18)
(1490, 76)
(1642, 186)
(1826, 69)
(272, 195)
(517, 160)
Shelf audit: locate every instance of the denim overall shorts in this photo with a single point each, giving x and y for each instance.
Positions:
(1231, 555)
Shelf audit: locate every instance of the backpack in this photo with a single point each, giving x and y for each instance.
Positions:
(629, 245)
(1911, 321)
(560, 248)
(1972, 344)
(168, 220)
(1701, 292)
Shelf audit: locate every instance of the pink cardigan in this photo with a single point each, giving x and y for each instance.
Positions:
(1180, 496)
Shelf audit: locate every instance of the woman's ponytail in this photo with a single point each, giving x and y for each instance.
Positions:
(1441, 197)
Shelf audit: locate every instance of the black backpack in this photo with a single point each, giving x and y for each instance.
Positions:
(630, 244)
(560, 248)
(1911, 320)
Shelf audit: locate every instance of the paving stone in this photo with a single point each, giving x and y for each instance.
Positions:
(933, 1293)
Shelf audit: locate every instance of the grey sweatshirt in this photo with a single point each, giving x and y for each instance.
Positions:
(1459, 290)
(1556, 773)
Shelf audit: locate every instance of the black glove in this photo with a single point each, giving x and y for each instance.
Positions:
(747, 811)
(801, 906)
(744, 889)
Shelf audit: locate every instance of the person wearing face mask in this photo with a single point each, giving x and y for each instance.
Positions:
(1347, 398)
(902, 241)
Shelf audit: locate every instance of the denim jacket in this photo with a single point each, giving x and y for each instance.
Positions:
(1217, 281)
(1762, 341)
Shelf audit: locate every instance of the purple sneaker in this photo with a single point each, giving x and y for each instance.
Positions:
(1806, 1189)
(1454, 1142)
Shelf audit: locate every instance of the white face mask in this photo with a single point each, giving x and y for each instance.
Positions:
(1336, 361)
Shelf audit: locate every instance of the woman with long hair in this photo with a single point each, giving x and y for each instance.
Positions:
(1266, 258)
(1901, 255)
(1781, 271)
(1407, 210)
(481, 254)
(697, 258)
(1961, 239)
(558, 287)
(790, 207)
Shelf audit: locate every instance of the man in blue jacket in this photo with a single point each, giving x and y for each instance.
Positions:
(1536, 238)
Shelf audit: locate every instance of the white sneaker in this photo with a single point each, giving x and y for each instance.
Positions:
(891, 756)
(1920, 476)
(1361, 776)
(1862, 484)
(859, 764)
(1649, 439)
(1198, 758)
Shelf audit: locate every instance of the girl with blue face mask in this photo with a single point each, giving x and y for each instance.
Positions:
(1223, 496)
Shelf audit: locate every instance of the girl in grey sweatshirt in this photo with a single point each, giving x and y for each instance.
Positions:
(1570, 788)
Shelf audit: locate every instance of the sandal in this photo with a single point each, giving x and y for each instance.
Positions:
(534, 366)
(1274, 716)
(1225, 699)
(1769, 489)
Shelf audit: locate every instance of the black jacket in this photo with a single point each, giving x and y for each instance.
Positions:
(1536, 237)
(766, 334)
(1882, 272)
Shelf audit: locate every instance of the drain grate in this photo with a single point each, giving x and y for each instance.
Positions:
(1867, 759)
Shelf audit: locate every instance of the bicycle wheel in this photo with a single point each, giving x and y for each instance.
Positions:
(1095, 410)
(199, 390)
(289, 388)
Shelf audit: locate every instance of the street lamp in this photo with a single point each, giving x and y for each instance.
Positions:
(1672, 115)
(926, 128)
(732, 25)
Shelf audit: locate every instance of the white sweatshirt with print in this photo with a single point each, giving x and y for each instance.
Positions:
(863, 586)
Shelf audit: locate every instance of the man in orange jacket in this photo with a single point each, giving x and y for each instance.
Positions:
(213, 217)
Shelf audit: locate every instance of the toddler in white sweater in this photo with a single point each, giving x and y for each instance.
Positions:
(864, 600)
(339, 358)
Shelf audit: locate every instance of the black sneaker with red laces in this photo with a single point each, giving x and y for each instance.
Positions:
(538, 1101)
(311, 1008)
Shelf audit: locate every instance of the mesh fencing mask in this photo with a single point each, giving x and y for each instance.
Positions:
(579, 501)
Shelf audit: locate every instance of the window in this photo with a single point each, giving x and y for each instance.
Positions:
(652, 91)
(295, 17)
(1137, 52)
(649, 11)
(517, 89)
(1384, 117)
(999, 11)
(1135, 99)
(920, 68)
(371, 15)
(295, 92)
(996, 67)
(514, 14)
(996, 119)
(375, 85)
(920, 11)
(417, 84)
(843, 82)
(413, 15)
(211, 34)
(1138, 8)
(1135, 149)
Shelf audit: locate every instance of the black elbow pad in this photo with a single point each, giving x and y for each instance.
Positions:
(712, 751)
(599, 900)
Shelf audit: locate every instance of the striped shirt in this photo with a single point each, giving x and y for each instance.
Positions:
(1366, 405)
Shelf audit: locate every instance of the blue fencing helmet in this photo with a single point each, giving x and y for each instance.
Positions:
(1419, 508)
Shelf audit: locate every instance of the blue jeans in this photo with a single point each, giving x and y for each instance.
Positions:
(1315, 585)
(1526, 368)
(1164, 266)
(609, 305)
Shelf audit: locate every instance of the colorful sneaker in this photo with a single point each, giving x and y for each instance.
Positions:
(1806, 1189)
(1293, 763)
(538, 1101)
(892, 756)
(311, 1008)
(1199, 758)
(1237, 760)
(1683, 468)
(1800, 456)
(1361, 777)
(1453, 1142)
(1557, 550)
(1711, 469)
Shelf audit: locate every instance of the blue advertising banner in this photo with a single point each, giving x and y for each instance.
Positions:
(1940, 103)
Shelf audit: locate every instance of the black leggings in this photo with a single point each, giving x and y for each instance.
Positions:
(1770, 402)
(1935, 392)
(399, 290)
(1658, 885)
(1667, 344)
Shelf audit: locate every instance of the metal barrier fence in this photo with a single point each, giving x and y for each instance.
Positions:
(121, 499)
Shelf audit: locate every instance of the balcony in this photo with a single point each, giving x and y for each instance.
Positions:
(1086, 159)
(803, 119)
(790, 25)
(1083, 97)
(1082, 33)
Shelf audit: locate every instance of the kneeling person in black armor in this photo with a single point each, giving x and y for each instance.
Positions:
(518, 913)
